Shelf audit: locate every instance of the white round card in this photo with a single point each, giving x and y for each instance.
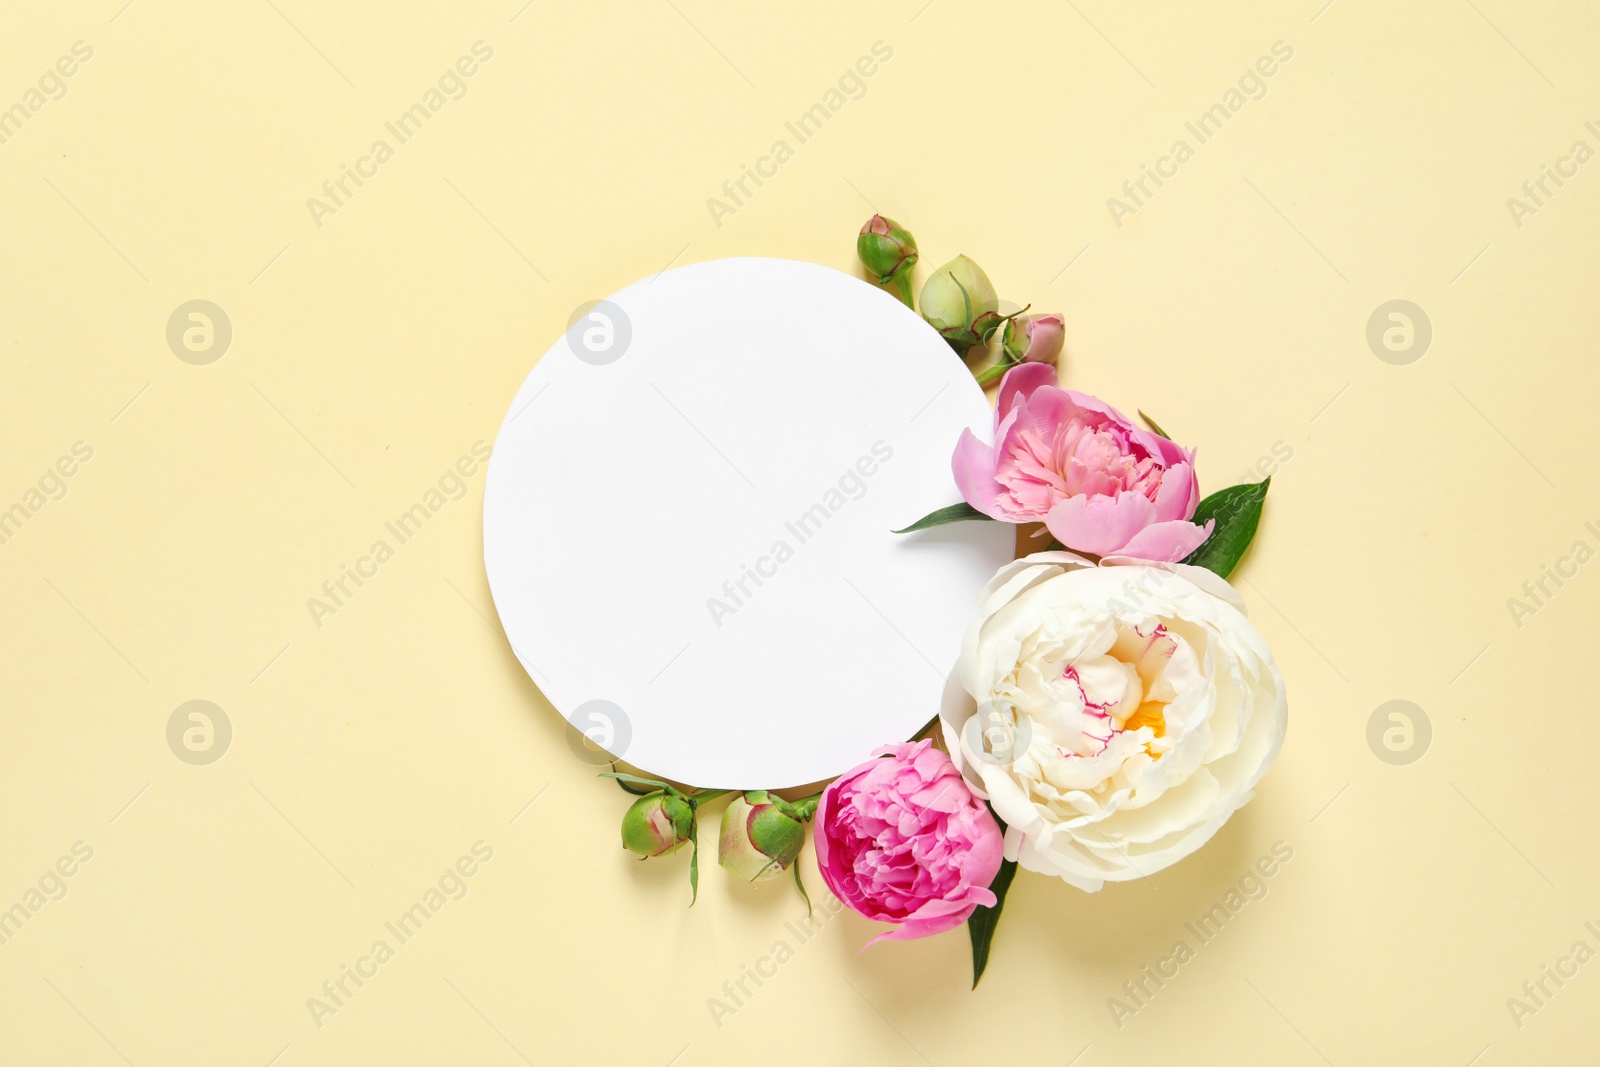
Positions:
(687, 523)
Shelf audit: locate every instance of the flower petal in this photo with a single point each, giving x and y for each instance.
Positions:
(1179, 494)
(973, 467)
(1100, 524)
(1167, 542)
(1021, 381)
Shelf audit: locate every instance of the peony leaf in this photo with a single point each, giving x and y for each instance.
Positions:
(800, 810)
(961, 512)
(981, 923)
(1155, 426)
(798, 884)
(647, 785)
(1237, 510)
(694, 857)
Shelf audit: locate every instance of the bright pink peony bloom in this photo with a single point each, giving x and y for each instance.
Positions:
(903, 840)
(1100, 484)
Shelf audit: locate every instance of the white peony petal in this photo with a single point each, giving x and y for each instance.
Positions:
(1155, 708)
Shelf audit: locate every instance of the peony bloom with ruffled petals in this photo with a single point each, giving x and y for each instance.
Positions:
(901, 839)
(1100, 484)
(1114, 716)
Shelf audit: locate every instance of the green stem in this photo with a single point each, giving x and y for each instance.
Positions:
(989, 374)
(900, 285)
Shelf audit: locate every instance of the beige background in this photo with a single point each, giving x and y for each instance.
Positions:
(368, 354)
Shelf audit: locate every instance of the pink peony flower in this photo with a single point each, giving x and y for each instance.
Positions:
(903, 840)
(1097, 482)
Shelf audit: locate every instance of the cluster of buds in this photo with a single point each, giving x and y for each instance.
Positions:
(762, 834)
(959, 301)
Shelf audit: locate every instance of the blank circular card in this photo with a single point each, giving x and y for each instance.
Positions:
(687, 523)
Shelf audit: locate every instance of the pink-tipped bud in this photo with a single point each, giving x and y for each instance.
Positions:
(759, 839)
(656, 824)
(1035, 340)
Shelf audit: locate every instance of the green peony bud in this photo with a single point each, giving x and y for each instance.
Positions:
(761, 836)
(890, 254)
(657, 824)
(959, 301)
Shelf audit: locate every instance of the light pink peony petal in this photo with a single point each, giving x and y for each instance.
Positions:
(1021, 381)
(1100, 524)
(973, 467)
(1167, 542)
(1171, 452)
(1179, 493)
(1096, 411)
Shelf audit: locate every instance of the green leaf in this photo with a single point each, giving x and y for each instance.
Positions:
(800, 810)
(1148, 421)
(981, 923)
(961, 512)
(798, 884)
(1237, 510)
(694, 858)
(624, 780)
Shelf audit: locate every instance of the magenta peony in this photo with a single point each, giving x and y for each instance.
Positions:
(901, 839)
(1100, 484)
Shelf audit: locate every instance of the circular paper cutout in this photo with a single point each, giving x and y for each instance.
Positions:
(687, 523)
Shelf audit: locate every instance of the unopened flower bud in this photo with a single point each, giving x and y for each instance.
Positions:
(890, 254)
(657, 824)
(885, 246)
(759, 840)
(1034, 340)
(959, 301)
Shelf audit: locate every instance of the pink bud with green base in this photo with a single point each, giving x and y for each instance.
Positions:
(1036, 339)
(889, 253)
(761, 836)
(662, 821)
(657, 824)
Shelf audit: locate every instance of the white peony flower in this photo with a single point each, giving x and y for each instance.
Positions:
(1115, 716)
